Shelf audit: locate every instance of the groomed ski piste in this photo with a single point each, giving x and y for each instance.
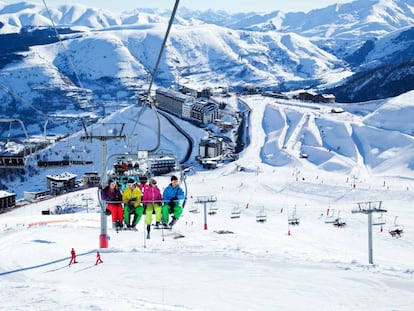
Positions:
(240, 263)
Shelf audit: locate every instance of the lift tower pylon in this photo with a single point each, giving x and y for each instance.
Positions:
(108, 131)
(369, 208)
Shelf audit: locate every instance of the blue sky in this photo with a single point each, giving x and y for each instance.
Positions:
(229, 5)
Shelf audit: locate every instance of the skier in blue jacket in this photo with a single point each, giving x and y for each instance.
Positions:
(171, 197)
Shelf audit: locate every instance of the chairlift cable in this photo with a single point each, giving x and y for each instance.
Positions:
(69, 59)
(64, 48)
(153, 79)
(22, 100)
(163, 45)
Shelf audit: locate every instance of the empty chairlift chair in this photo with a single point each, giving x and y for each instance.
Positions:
(379, 221)
(330, 216)
(235, 213)
(194, 209)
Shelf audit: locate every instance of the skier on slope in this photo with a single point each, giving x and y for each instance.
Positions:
(98, 258)
(171, 197)
(72, 256)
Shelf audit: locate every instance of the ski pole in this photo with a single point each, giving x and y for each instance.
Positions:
(162, 231)
(145, 243)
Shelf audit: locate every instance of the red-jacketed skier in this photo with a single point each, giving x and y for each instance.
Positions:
(98, 258)
(73, 257)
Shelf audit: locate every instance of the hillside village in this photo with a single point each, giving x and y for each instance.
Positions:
(219, 111)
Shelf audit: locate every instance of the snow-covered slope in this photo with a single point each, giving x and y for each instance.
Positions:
(236, 263)
(368, 140)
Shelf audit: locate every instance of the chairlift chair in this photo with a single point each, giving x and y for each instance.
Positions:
(18, 159)
(330, 217)
(130, 165)
(339, 222)
(261, 216)
(235, 213)
(293, 219)
(213, 209)
(396, 231)
(379, 221)
(194, 209)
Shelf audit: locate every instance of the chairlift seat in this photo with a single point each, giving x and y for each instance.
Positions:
(294, 221)
(212, 210)
(194, 210)
(12, 161)
(379, 222)
(330, 219)
(261, 217)
(235, 213)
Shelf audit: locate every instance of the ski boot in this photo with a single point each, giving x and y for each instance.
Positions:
(148, 231)
(172, 222)
(119, 225)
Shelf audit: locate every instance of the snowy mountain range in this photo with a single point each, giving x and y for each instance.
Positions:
(101, 61)
(359, 51)
(358, 152)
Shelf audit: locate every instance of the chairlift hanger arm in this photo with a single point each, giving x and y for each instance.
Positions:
(10, 120)
(163, 45)
(153, 79)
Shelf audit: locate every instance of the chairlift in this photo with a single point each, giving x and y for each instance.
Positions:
(293, 219)
(130, 165)
(235, 213)
(379, 221)
(16, 151)
(339, 222)
(213, 209)
(261, 216)
(194, 209)
(396, 231)
(64, 153)
(330, 217)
